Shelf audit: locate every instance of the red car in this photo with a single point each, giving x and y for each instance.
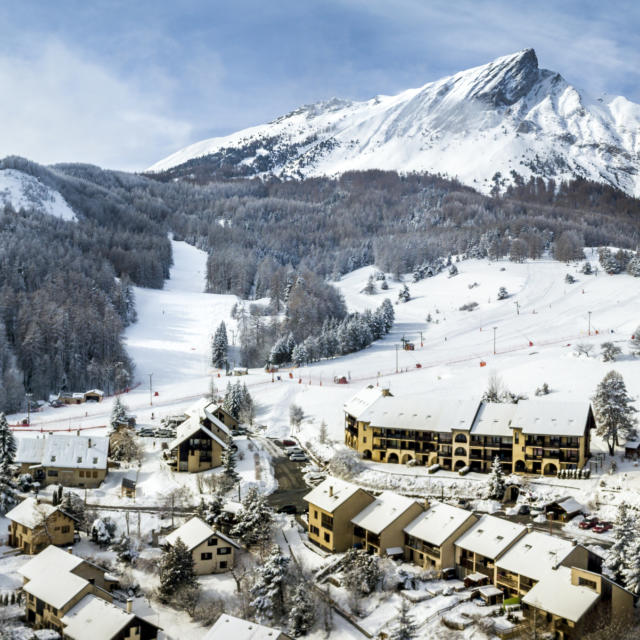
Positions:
(601, 527)
(588, 523)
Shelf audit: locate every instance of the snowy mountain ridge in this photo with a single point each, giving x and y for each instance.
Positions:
(506, 116)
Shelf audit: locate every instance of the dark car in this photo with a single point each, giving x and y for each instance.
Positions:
(588, 523)
(524, 510)
(289, 443)
(288, 508)
(601, 527)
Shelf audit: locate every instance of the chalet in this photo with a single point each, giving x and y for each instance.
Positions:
(94, 395)
(570, 598)
(210, 414)
(564, 509)
(69, 397)
(229, 627)
(429, 539)
(211, 550)
(34, 525)
(332, 506)
(533, 436)
(72, 461)
(379, 527)
(632, 449)
(533, 556)
(478, 548)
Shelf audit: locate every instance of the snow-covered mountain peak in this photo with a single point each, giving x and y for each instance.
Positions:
(484, 126)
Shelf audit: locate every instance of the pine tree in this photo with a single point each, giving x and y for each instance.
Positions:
(495, 482)
(118, 413)
(102, 531)
(631, 571)
(405, 628)
(176, 569)
(268, 591)
(8, 448)
(232, 402)
(213, 509)
(219, 347)
(502, 293)
(623, 536)
(254, 520)
(404, 295)
(613, 410)
(361, 572)
(388, 314)
(299, 355)
(302, 614)
(229, 465)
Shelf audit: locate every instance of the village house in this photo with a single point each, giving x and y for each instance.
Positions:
(533, 436)
(211, 550)
(212, 415)
(564, 509)
(533, 556)
(570, 600)
(33, 525)
(429, 539)
(231, 628)
(69, 460)
(68, 397)
(332, 505)
(379, 527)
(478, 548)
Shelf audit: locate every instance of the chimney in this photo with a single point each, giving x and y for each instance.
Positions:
(78, 432)
(89, 443)
(331, 491)
(129, 605)
(70, 550)
(529, 528)
(574, 542)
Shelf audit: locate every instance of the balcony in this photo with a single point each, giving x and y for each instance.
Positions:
(508, 581)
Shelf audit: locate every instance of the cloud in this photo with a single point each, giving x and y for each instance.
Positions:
(58, 106)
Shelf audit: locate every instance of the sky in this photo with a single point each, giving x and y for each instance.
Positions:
(124, 83)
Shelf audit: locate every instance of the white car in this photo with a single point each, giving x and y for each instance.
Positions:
(294, 451)
(298, 457)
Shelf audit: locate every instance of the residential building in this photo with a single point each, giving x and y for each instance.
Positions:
(332, 506)
(210, 414)
(533, 556)
(429, 539)
(564, 509)
(478, 548)
(570, 599)
(211, 550)
(231, 628)
(379, 527)
(533, 436)
(69, 460)
(34, 525)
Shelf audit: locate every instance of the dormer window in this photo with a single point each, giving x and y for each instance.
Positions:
(79, 459)
(53, 458)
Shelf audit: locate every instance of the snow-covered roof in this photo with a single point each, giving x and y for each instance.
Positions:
(494, 419)
(221, 425)
(98, 392)
(488, 591)
(331, 493)
(29, 450)
(555, 594)
(437, 523)
(490, 536)
(544, 417)
(362, 400)
(76, 452)
(96, 618)
(384, 510)
(394, 551)
(30, 512)
(51, 561)
(190, 427)
(195, 532)
(570, 505)
(229, 627)
(56, 589)
(535, 555)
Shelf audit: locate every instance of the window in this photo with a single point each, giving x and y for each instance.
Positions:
(314, 530)
(516, 437)
(212, 542)
(315, 514)
(81, 473)
(95, 474)
(327, 537)
(223, 564)
(206, 556)
(66, 529)
(364, 440)
(224, 551)
(52, 473)
(587, 583)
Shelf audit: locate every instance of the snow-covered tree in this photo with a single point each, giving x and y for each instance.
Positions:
(296, 415)
(8, 448)
(103, 531)
(254, 519)
(388, 314)
(219, 347)
(634, 343)
(631, 571)
(405, 627)
(268, 591)
(502, 293)
(569, 279)
(633, 268)
(370, 287)
(299, 355)
(610, 351)
(361, 572)
(405, 294)
(73, 505)
(624, 533)
(495, 482)
(232, 402)
(302, 612)
(384, 285)
(176, 569)
(453, 271)
(613, 410)
(127, 549)
(118, 413)
(586, 268)
(229, 465)
(213, 509)
(323, 433)
(608, 262)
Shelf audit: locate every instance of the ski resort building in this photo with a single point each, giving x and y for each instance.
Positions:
(229, 627)
(332, 505)
(212, 551)
(429, 539)
(34, 525)
(533, 436)
(72, 461)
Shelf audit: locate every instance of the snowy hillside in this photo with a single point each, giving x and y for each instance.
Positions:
(21, 190)
(508, 115)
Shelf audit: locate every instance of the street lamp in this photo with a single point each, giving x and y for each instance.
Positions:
(494, 340)
(589, 312)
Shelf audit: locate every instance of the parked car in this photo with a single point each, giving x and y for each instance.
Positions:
(298, 457)
(524, 510)
(315, 478)
(601, 527)
(165, 433)
(463, 503)
(288, 508)
(289, 443)
(291, 450)
(588, 523)
(147, 432)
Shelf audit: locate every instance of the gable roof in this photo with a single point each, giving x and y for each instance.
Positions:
(29, 450)
(194, 532)
(51, 561)
(227, 627)
(555, 594)
(56, 589)
(331, 493)
(189, 428)
(494, 419)
(383, 511)
(65, 451)
(535, 554)
(95, 617)
(30, 513)
(438, 523)
(490, 536)
(544, 417)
